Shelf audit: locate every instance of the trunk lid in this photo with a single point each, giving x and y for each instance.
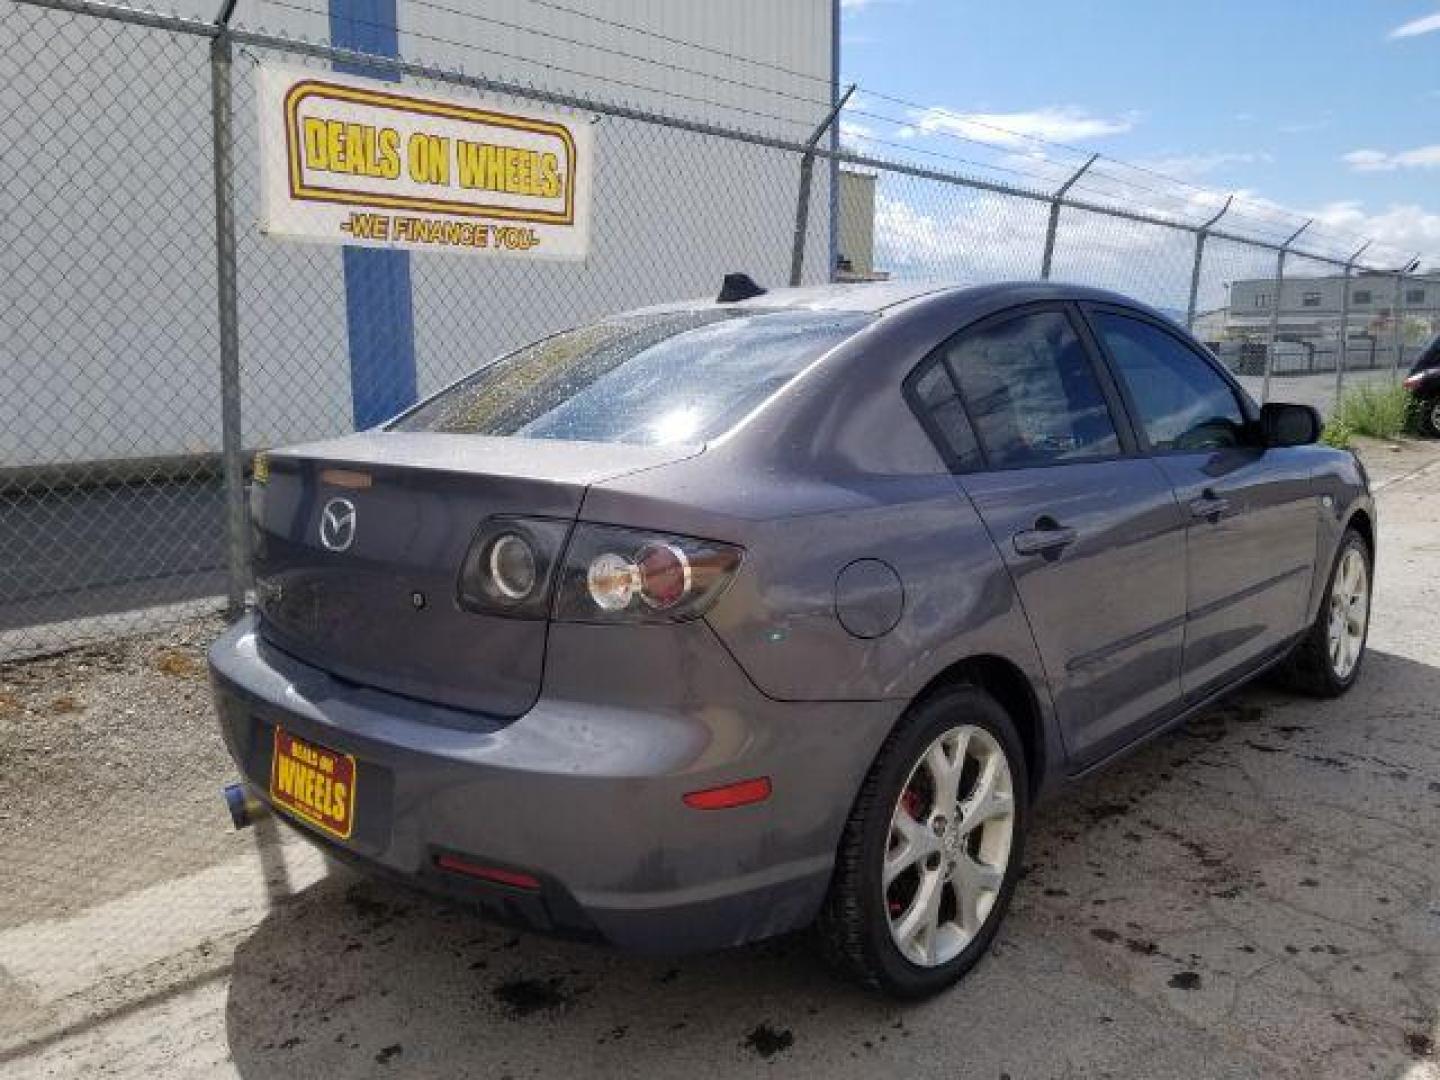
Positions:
(373, 600)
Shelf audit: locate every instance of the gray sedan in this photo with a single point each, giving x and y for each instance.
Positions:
(711, 621)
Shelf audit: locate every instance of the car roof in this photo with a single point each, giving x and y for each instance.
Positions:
(874, 297)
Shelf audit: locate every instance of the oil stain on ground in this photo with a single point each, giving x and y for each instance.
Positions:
(524, 997)
(768, 1041)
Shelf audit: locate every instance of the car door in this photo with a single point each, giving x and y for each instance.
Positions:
(1252, 528)
(1088, 529)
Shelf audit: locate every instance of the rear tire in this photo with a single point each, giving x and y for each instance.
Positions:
(1319, 665)
(952, 863)
(1427, 411)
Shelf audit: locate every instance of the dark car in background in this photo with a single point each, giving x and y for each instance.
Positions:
(1424, 383)
(712, 621)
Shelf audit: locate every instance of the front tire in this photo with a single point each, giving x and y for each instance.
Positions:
(932, 849)
(1326, 662)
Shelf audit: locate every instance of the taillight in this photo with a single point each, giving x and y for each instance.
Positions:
(607, 575)
(624, 575)
(510, 566)
(1413, 382)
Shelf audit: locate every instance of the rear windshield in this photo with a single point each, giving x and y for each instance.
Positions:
(676, 377)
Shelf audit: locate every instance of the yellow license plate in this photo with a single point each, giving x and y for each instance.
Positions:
(315, 784)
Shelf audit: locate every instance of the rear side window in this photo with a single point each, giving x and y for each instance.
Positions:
(934, 397)
(673, 377)
(1180, 400)
(1031, 390)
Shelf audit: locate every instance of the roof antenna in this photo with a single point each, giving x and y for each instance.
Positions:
(738, 287)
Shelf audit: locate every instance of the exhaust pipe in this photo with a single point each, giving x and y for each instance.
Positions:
(244, 808)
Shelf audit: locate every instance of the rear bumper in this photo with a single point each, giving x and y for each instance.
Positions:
(583, 795)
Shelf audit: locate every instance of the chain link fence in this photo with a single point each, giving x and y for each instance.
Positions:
(151, 338)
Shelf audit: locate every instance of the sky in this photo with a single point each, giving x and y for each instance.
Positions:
(1329, 107)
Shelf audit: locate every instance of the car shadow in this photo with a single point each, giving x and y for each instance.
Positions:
(1255, 892)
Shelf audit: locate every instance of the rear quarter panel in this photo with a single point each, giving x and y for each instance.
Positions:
(830, 472)
(1338, 475)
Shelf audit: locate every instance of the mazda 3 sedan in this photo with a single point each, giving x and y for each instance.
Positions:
(710, 621)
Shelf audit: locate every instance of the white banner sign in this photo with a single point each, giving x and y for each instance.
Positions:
(356, 161)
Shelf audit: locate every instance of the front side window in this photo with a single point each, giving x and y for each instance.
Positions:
(1031, 390)
(1311, 299)
(1181, 401)
(669, 377)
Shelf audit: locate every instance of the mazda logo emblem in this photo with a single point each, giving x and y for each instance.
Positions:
(337, 524)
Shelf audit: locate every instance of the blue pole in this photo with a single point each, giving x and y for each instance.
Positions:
(379, 314)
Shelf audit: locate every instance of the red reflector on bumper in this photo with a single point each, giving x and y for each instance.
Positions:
(723, 798)
(513, 878)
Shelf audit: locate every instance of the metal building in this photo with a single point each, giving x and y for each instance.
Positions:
(1310, 308)
(125, 369)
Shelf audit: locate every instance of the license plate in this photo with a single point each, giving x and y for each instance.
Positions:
(315, 784)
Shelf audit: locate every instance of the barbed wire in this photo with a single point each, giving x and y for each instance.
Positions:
(671, 40)
(1260, 215)
(1270, 222)
(548, 66)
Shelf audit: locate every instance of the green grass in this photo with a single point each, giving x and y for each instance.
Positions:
(1337, 433)
(1381, 412)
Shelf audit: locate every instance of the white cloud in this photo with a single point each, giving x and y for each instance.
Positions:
(974, 236)
(955, 234)
(1401, 227)
(1421, 157)
(1055, 123)
(1190, 166)
(1426, 24)
(853, 135)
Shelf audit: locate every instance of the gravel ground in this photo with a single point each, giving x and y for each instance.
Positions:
(107, 750)
(1257, 894)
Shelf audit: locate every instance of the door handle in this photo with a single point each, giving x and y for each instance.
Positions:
(1047, 538)
(1209, 505)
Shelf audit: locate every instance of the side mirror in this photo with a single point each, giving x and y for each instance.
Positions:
(1289, 425)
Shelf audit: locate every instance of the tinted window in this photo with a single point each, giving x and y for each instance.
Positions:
(1182, 402)
(1030, 388)
(673, 377)
(938, 402)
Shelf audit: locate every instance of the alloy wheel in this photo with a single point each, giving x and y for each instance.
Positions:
(1349, 612)
(950, 843)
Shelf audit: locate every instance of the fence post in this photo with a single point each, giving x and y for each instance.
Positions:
(1054, 226)
(1275, 310)
(1343, 354)
(1409, 268)
(1200, 238)
(231, 444)
(802, 202)
(1398, 315)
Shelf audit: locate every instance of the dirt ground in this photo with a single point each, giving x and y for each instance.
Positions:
(1256, 894)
